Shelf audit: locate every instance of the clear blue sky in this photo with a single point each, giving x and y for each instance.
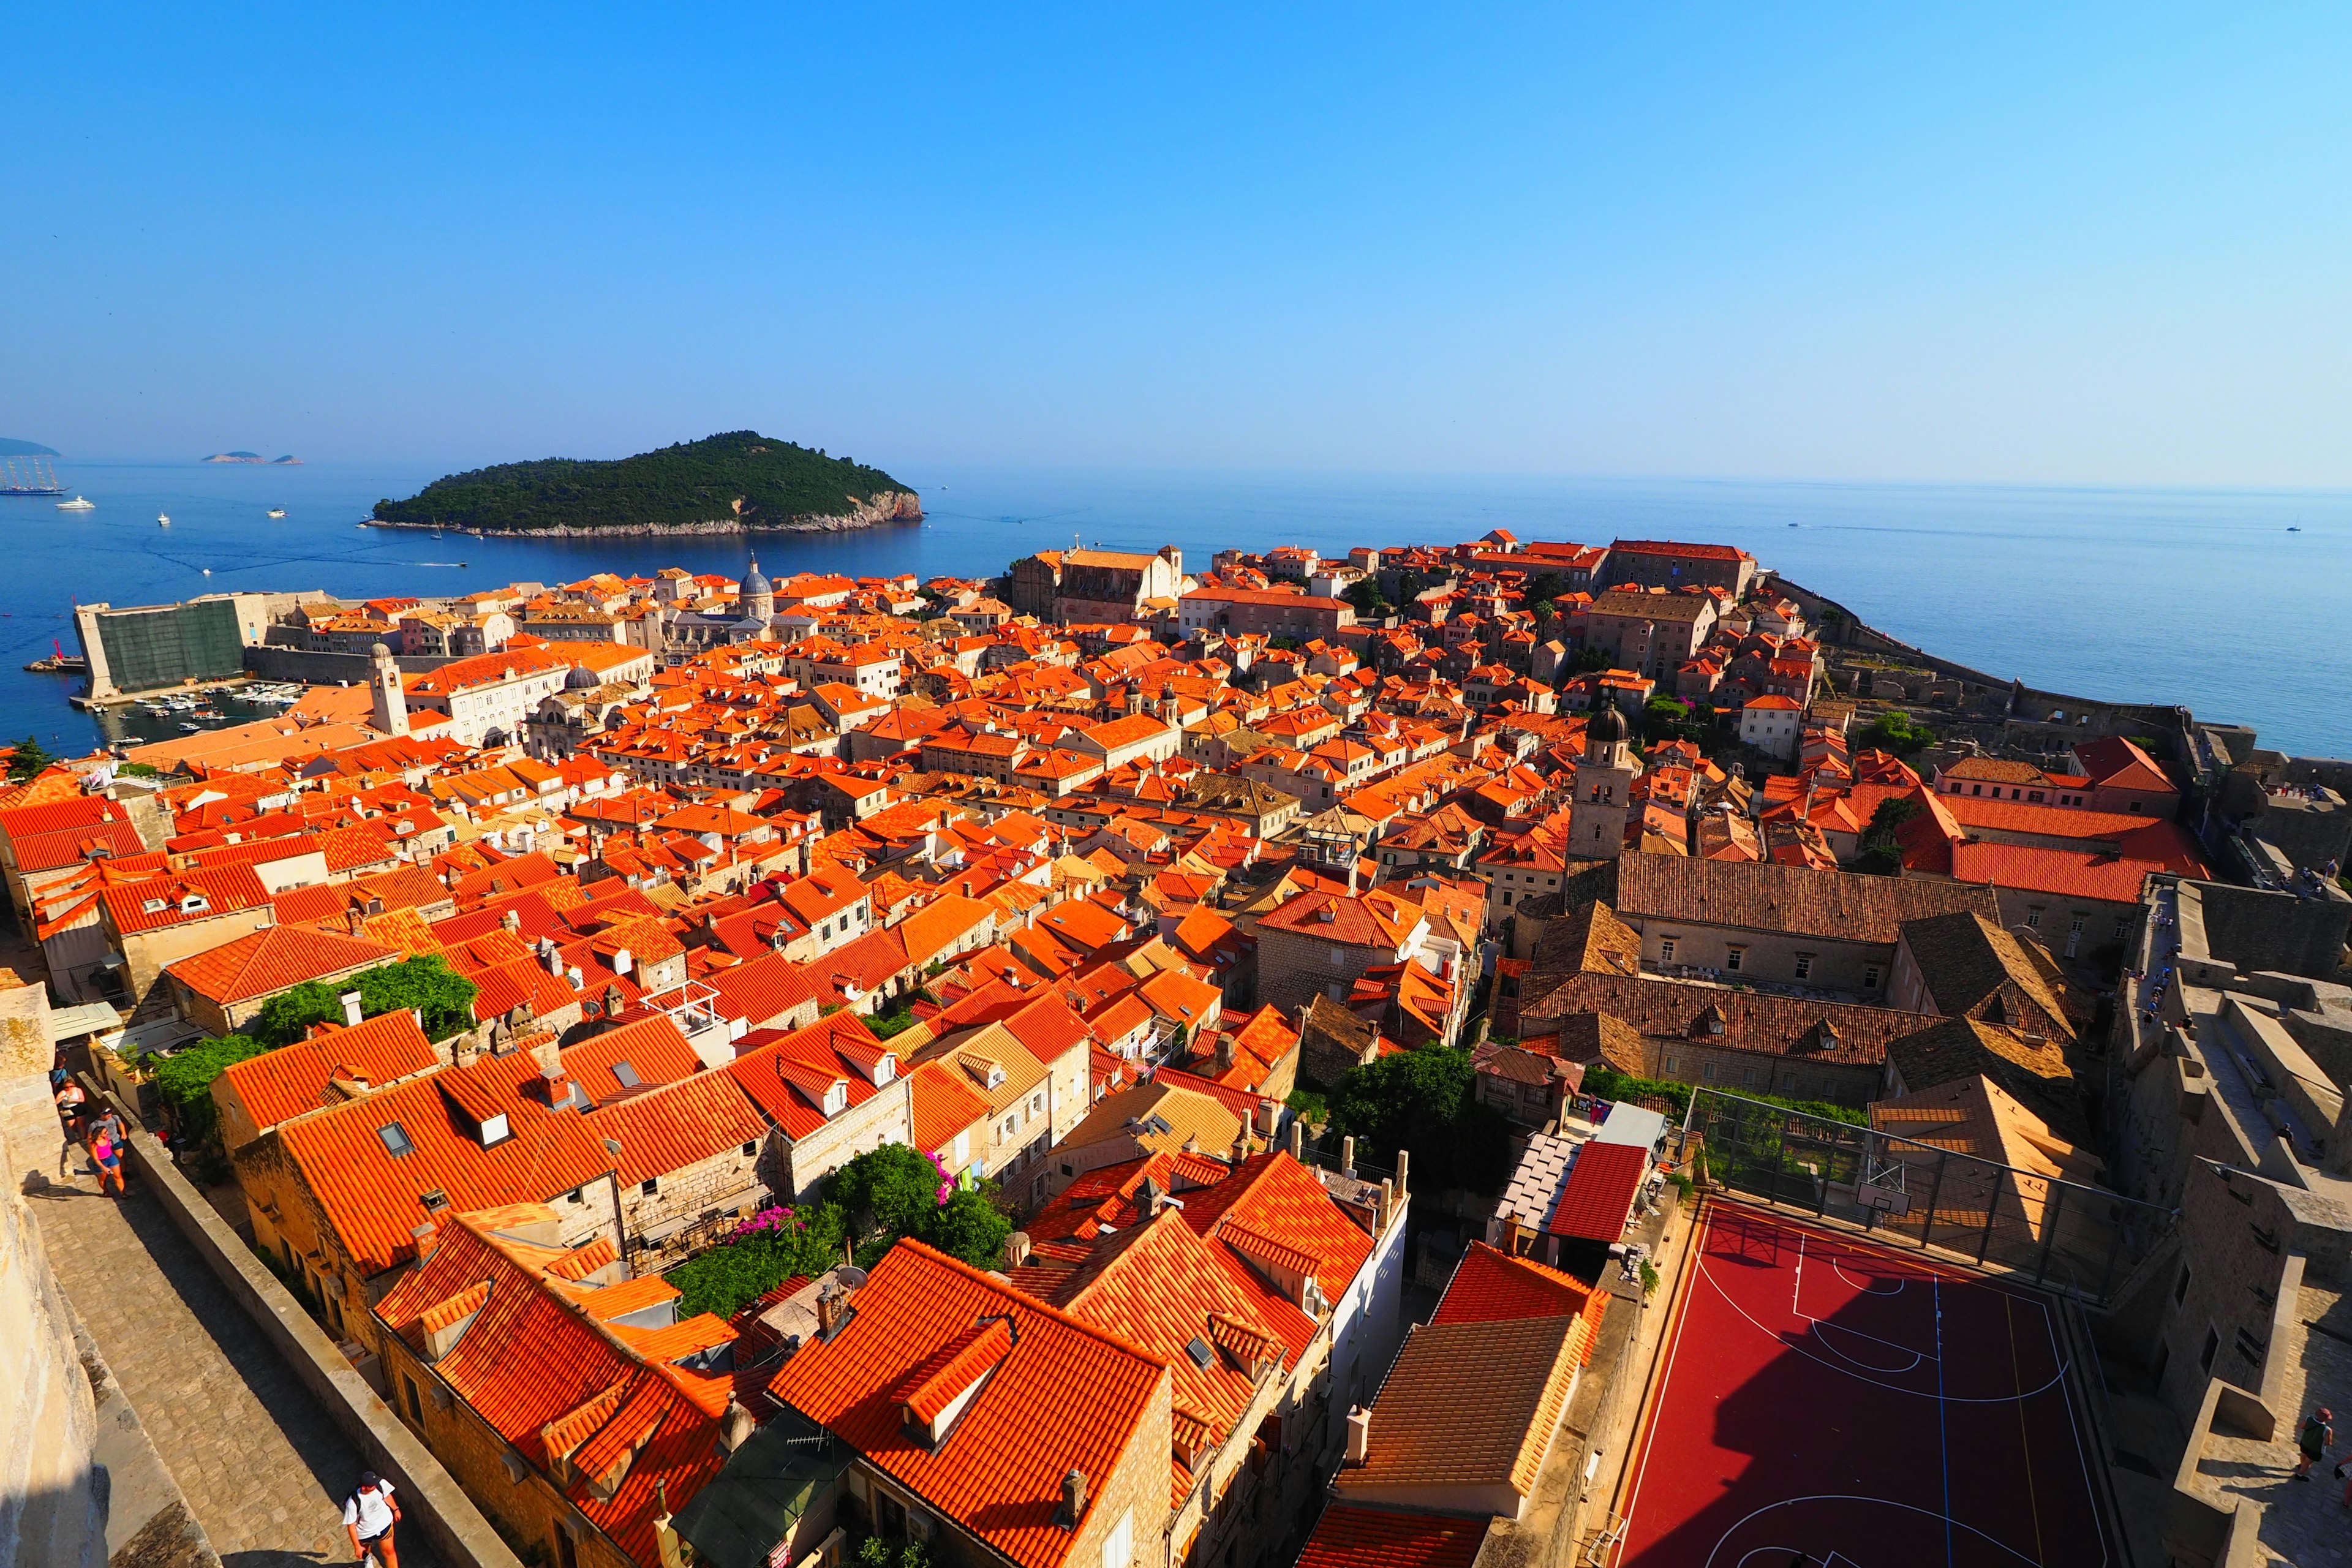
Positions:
(2039, 244)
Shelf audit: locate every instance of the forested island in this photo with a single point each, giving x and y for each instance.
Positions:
(737, 482)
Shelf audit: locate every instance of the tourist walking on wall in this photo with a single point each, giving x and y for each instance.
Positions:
(2318, 1436)
(368, 1514)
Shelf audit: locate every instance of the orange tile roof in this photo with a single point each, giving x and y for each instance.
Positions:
(1068, 1396)
(284, 1083)
(677, 1125)
(223, 891)
(1427, 1434)
(945, 1103)
(275, 959)
(1490, 1284)
(373, 1199)
(654, 1050)
(1350, 1536)
(539, 1365)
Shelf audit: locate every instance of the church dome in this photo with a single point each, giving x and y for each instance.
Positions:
(755, 584)
(1606, 727)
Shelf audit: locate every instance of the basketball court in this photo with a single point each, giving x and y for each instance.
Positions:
(1824, 1396)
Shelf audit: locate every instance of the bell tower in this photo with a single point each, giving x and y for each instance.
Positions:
(388, 709)
(1604, 789)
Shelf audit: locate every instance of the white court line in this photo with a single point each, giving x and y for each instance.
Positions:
(1665, 1385)
(1917, 1360)
(1699, 1262)
(1949, 1523)
(1895, 1289)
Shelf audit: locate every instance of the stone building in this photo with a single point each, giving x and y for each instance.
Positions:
(1651, 634)
(1668, 564)
(1252, 612)
(567, 1399)
(688, 1165)
(337, 1196)
(1604, 789)
(1072, 587)
(831, 1091)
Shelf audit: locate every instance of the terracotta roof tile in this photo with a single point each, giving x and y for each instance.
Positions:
(275, 959)
(1066, 1397)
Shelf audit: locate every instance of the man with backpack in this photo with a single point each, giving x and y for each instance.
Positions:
(369, 1515)
(2318, 1436)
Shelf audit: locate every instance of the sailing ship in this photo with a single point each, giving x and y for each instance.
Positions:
(34, 478)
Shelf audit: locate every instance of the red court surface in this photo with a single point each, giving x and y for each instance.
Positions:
(1824, 1395)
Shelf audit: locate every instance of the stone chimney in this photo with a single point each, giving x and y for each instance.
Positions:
(1074, 1500)
(351, 1001)
(1299, 1141)
(1016, 1249)
(426, 1236)
(1347, 1156)
(741, 1424)
(1240, 1148)
(1224, 1053)
(1360, 1435)
(511, 922)
(1404, 1165)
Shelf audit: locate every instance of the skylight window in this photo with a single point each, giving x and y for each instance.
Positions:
(626, 1074)
(1201, 1352)
(395, 1139)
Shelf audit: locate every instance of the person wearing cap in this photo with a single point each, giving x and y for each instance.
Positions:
(2318, 1436)
(368, 1513)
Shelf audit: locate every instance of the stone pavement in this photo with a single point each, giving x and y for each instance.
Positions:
(2305, 1523)
(263, 1467)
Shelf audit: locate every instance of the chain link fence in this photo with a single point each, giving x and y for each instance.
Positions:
(2078, 1239)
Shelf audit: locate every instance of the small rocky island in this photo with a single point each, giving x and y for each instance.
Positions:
(252, 457)
(739, 482)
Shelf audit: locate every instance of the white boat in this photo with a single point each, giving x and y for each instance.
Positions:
(191, 728)
(77, 504)
(278, 512)
(162, 519)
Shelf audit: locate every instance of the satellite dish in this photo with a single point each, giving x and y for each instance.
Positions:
(851, 1275)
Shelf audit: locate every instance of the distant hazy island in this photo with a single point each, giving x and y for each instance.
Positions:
(249, 457)
(9, 448)
(740, 483)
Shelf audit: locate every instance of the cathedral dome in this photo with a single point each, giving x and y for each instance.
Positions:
(1606, 727)
(755, 584)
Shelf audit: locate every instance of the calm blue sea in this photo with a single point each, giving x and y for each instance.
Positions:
(2202, 597)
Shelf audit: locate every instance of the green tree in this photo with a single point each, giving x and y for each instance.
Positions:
(443, 996)
(1665, 718)
(29, 759)
(184, 1082)
(778, 1244)
(1881, 854)
(967, 1227)
(1898, 732)
(1365, 595)
(1424, 1100)
(1588, 661)
(288, 1016)
(890, 1189)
